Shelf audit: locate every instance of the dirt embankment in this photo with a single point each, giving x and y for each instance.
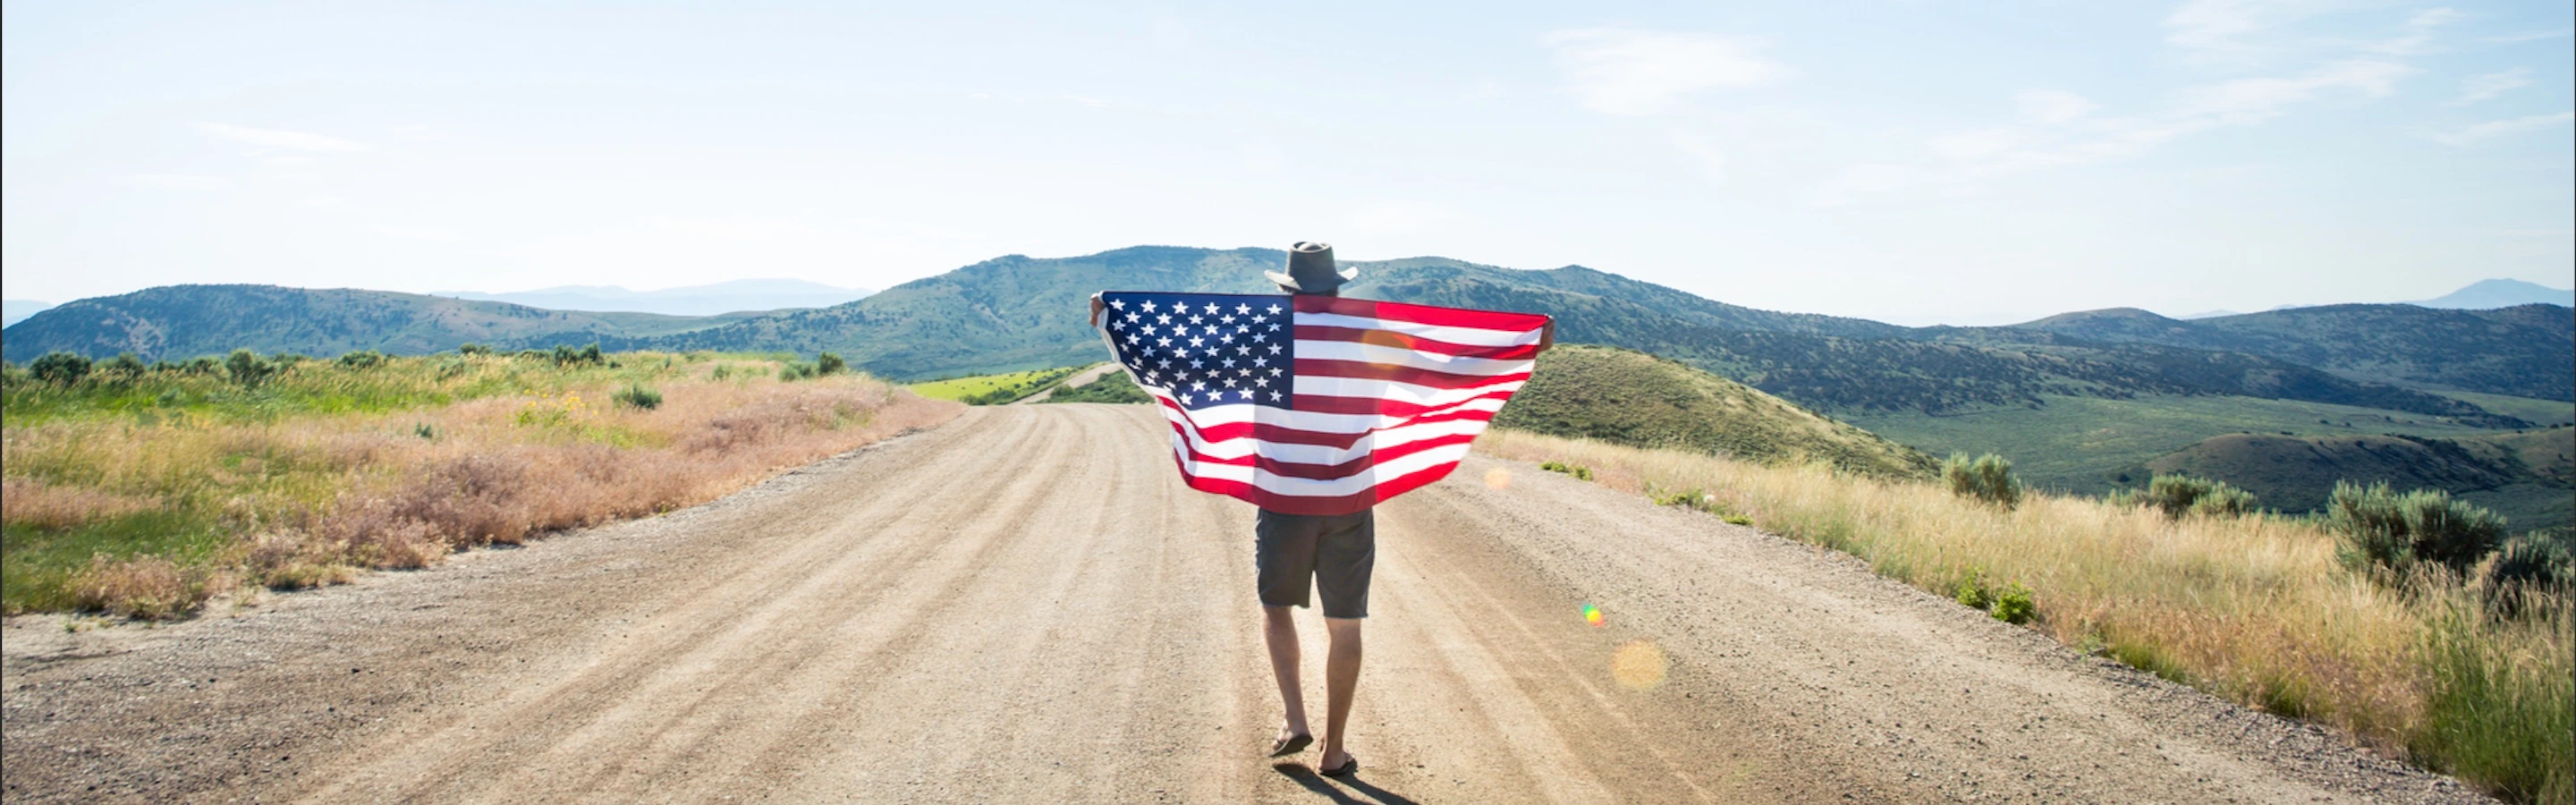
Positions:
(1025, 605)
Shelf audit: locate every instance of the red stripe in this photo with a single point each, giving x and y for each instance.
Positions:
(1274, 432)
(1419, 314)
(1296, 504)
(1398, 373)
(1322, 404)
(1329, 472)
(1385, 338)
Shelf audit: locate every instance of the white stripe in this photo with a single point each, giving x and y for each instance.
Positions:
(1473, 336)
(1418, 359)
(1432, 459)
(1394, 391)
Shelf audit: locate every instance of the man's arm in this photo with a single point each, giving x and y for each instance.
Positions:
(1096, 307)
(1546, 337)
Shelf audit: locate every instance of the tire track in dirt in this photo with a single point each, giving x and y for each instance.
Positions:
(1026, 605)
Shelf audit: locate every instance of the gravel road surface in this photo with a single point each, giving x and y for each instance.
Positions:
(1025, 605)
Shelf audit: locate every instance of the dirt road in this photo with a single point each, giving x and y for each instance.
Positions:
(1025, 605)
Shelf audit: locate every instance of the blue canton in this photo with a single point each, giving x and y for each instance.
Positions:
(1207, 349)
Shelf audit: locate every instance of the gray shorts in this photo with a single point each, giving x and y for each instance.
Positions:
(1336, 551)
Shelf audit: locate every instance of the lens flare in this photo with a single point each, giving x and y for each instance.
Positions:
(1592, 614)
(1498, 478)
(1639, 665)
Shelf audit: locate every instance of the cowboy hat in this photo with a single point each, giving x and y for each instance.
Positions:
(1311, 269)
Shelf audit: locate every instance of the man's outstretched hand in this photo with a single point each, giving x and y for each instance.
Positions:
(1546, 337)
(1096, 307)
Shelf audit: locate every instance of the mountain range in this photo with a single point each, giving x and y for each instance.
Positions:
(737, 296)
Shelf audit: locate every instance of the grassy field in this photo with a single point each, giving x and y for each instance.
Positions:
(2084, 444)
(2252, 609)
(143, 493)
(991, 389)
(2545, 413)
(1632, 398)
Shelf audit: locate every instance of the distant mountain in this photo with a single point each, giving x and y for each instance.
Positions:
(185, 321)
(17, 310)
(2525, 351)
(697, 300)
(1633, 398)
(1019, 312)
(2525, 475)
(2496, 293)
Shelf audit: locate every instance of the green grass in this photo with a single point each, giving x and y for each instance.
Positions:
(1113, 388)
(1627, 397)
(2083, 444)
(1023, 383)
(39, 562)
(2543, 413)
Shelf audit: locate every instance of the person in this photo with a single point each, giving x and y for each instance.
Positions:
(1300, 557)
(1333, 554)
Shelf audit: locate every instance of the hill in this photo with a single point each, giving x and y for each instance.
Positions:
(2524, 351)
(2527, 475)
(697, 300)
(2495, 293)
(1019, 312)
(1631, 398)
(185, 321)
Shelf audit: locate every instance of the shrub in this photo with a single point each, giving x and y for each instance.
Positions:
(1988, 478)
(125, 363)
(797, 370)
(2014, 606)
(1971, 592)
(830, 363)
(723, 370)
(1580, 473)
(2178, 495)
(247, 368)
(143, 588)
(2386, 533)
(471, 348)
(635, 395)
(362, 359)
(2537, 563)
(60, 367)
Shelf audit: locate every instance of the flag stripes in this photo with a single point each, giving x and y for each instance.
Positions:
(1351, 402)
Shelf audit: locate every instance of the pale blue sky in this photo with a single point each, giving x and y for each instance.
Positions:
(1969, 162)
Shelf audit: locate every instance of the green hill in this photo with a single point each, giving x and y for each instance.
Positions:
(185, 321)
(2526, 475)
(1631, 398)
(2524, 351)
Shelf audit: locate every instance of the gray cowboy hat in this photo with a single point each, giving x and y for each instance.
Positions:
(1311, 269)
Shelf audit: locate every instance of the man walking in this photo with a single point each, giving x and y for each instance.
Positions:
(1335, 553)
(1316, 409)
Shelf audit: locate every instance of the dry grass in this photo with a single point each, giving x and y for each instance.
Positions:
(305, 500)
(2252, 609)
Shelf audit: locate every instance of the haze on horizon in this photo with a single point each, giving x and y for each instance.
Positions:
(1913, 163)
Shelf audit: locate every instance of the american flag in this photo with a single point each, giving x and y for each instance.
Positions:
(1315, 404)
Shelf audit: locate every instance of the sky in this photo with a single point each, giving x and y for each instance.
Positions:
(1915, 162)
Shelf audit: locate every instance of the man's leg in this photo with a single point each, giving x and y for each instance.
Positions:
(1341, 681)
(1281, 630)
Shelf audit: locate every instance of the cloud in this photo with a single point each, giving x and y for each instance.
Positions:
(2483, 87)
(2079, 138)
(179, 181)
(2050, 107)
(281, 138)
(1628, 72)
(2492, 129)
(2417, 38)
(2226, 30)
